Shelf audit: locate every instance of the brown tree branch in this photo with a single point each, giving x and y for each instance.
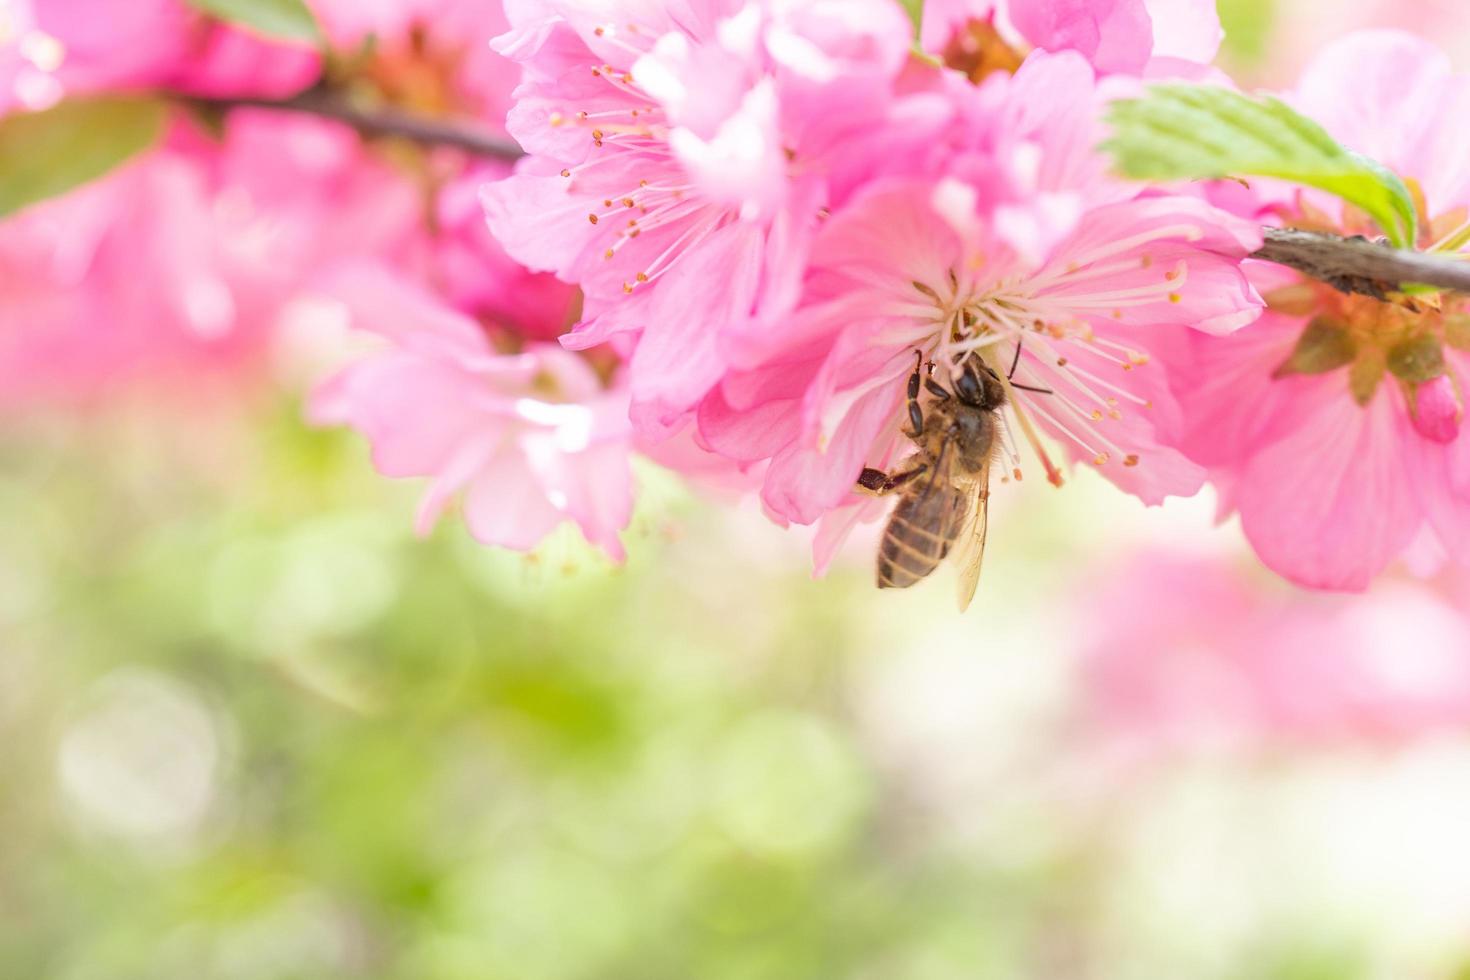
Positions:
(379, 122)
(1353, 265)
(1356, 265)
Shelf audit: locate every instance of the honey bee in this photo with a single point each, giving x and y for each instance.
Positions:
(944, 488)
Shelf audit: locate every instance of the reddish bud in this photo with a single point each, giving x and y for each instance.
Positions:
(1437, 410)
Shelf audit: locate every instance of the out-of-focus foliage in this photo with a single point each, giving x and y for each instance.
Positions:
(285, 740)
(252, 729)
(46, 153)
(288, 19)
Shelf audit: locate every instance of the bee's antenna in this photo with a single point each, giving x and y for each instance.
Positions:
(1011, 377)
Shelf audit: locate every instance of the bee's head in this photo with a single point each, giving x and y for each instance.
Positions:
(979, 386)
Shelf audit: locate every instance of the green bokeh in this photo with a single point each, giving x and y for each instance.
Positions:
(252, 729)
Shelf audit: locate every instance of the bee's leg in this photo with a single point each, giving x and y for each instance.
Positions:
(936, 389)
(900, 480)
(916, 414)
(880, 484)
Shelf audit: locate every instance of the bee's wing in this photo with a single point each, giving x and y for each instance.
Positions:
(970, 545)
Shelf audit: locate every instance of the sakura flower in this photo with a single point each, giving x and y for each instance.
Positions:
(175, 268)
(1297, 31)
(122, 278)
(980, 36)
(55, 47)
(433, 58)
(1334, 426)
(1231, 661)
(529, 440)
(1067, 316)
(428, 56)
(474, 275)
(674, 146)
(181, 266)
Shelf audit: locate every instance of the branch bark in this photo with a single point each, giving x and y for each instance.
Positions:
(1353, 265)
(1356, 265)
(379, 122)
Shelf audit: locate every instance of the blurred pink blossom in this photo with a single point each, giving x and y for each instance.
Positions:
(174, 268)
(49, 48)
(1230, 660)
(1297, 31)
(177, 267)
(1113, 35)
(433, 56)
(529, 440)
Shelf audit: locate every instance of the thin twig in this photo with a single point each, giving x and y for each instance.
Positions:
(380, 122)
(1353, 265)
(1356, 265)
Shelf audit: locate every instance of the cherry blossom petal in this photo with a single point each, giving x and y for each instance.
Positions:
(1331, 503)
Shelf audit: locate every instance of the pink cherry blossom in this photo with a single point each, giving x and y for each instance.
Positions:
(528, 440)
(675, 147)
(175, 267)
(1333, 426)
(1230, 661)
(473, 273)
(49, 48)
(124, 277)
(432, 55)
(1059, 277)
(178, 267)
(1114, 35)
(1298, 31)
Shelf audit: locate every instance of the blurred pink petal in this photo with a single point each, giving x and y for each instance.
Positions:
(1232, 662)
(530, 439)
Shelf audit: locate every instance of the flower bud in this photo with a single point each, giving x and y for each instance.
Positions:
(1437, 410)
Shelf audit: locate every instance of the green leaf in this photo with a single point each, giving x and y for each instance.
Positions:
(1198, 132)
(915, 10)
(287, 19)
(43, 154)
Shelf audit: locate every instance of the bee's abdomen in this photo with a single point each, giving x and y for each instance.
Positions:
(918, 537)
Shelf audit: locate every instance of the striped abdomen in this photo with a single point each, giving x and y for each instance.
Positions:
(919, 534)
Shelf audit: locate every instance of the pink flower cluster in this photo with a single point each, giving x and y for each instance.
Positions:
(771, 206)
(738, 226)
(187, 266)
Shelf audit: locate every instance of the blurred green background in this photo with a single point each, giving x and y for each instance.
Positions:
(252, 729)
